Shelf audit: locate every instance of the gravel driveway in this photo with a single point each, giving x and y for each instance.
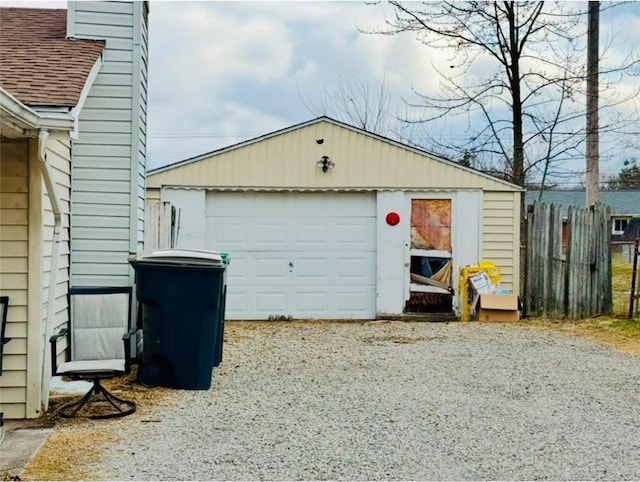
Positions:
(407, 401)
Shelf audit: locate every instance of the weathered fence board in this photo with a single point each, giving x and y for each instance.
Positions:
(160, 225)
(572, 285)
(634, 297)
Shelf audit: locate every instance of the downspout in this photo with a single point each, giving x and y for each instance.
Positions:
(54, 199)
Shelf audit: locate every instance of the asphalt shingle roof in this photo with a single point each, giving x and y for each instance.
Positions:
(38, 64)
(621, 202)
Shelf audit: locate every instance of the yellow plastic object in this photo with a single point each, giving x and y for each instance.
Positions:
(465, 290)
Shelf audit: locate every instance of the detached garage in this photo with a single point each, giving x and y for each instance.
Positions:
(324, 220)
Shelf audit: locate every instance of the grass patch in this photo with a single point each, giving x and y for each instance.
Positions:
(66, 453)
(620, 284)
(621, 334)
(626, 327)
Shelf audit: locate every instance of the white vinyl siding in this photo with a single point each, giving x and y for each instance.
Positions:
(14, 263)
(139, 146)
(109, 157)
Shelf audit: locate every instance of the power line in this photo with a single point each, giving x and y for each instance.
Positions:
(204, 136)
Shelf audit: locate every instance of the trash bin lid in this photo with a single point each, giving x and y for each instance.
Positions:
(180, 256)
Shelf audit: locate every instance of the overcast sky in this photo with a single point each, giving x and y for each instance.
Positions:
(223, 72)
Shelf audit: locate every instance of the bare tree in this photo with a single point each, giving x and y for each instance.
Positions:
(517, 71)
(358, 102)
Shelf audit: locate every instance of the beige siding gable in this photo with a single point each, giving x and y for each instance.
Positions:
(287, 160)
(501, 235)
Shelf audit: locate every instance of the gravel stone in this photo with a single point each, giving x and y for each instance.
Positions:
(395, 401)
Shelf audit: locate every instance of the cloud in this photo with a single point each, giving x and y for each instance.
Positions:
(229, 123)
(223, 72)
(198, 46)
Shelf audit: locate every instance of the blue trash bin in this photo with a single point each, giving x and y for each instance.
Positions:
(181, 296)
(217, 359)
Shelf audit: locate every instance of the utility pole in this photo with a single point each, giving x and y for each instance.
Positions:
(593, 168)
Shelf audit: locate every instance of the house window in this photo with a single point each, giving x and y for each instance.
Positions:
(619, 225)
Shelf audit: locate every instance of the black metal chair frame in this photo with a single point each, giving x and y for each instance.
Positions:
(71, 409)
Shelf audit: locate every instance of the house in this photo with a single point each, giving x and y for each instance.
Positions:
(625, 204)
(72, 172)
(629, 238)
(632, 230)
(324, 220)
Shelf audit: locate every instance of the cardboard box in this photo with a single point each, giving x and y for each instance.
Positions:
(498, 308)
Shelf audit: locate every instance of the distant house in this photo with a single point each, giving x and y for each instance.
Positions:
(632, 231)
(628, 238)
(625, 204)
(72, 172)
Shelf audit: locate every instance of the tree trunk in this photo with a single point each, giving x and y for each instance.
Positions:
(593, 168)
(518, 148)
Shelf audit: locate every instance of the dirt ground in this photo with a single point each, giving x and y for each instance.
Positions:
(77, 441)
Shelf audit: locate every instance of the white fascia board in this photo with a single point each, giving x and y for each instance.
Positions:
(16, 114)
(19, 114)
(75, 112)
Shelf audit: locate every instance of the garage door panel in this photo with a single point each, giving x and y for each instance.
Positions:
(227, 232)
(330, 234)
(269, 235)
(271, 270)
(308, 305)
(237, 271)
(355, 269)
(248, 270)
(311, 269)
(270, 302)
(334, 234)
(311, 235)
(237, 303)
(306, 255)
(355, 234)
(353, 304)
(335, 303)
(288, 204)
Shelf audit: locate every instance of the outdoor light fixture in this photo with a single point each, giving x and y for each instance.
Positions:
(325, 163)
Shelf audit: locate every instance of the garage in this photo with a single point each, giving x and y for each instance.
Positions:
(323, 220)
(299, 255)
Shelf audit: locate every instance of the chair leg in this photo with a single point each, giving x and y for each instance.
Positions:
(71, 409)
(122, 407)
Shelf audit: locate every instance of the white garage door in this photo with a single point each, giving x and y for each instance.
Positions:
(304, 255)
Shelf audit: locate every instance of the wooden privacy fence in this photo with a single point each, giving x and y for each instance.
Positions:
(634, 296)
(161, 225)
(568, 272)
